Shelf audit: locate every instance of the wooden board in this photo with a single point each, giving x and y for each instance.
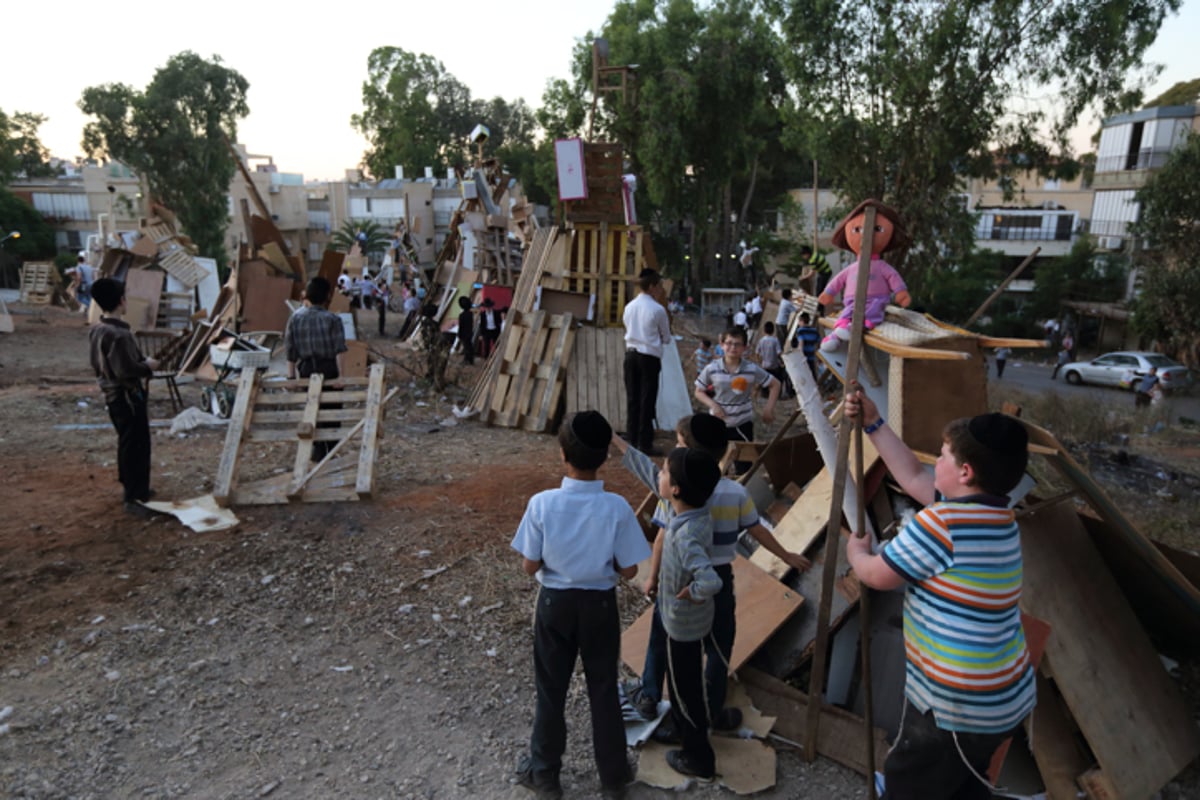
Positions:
(919, 415)
(264, 298)
(143, 290)
(1060, 757)
(800, 527)
(596, 378)
(1134, 719)
(841, 736)
(179, 263)
(763, 604)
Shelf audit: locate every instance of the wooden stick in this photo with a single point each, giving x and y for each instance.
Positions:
(864, 609)
(1003, 285)
(774, 440)
(821, 652)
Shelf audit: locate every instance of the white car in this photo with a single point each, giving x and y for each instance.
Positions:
(1124, 368)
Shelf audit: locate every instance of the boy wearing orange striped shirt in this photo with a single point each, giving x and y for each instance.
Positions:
(969, 680)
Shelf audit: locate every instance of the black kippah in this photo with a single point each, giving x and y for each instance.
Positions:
(701, 472)
(592, 430)
(708, 431)
(998, 433)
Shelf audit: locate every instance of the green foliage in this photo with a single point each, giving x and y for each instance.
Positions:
(1082, 275)
(418, 115)
(904, 101)
(369, 235)
(36, 242)
(21, 151)
(1183, 93)
(954, 293)
(1166, 307)
(173, 135)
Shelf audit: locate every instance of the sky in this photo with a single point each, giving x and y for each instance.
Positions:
(306, 69)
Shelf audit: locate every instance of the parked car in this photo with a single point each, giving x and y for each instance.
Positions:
(1124, 368)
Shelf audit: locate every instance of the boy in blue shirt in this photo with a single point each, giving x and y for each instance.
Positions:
(577, 540)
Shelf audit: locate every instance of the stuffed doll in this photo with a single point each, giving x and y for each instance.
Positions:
(884, 282)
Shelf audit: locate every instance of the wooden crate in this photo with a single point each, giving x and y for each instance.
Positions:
(37, 283)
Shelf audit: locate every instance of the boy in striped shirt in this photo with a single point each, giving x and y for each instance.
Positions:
(969, 681)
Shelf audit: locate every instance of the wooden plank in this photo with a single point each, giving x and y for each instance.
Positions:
(299, 399)
(259, 435)
(264, 419)
(546, 399)
(1053, 735)
(1134, 719)
(145, 285)
(365, 483)
(235, 434)
(1098, 786)
(804, 522)
(533, 329)
(763, 604)
(841, 735)
(307, 427)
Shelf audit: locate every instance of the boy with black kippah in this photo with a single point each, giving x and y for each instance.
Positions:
(687, 584)
(577, 540)
(121, 370)
(969, 681)
(732, 512)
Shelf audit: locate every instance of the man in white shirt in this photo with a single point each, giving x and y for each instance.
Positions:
(784, 318)
(647, 331)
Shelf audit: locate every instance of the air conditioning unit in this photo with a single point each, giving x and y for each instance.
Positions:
(1109, 243)
(274, 188)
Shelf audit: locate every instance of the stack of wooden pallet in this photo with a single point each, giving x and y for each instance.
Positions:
(37, 283)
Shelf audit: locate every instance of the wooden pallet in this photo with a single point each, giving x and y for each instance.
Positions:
(531, 371)
(604, 261)
(180, 264)
(159, 232)
(37, 284)
(594, 380)
(292, 412)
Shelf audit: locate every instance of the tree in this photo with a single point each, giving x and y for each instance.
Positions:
(904, 101)
(21, 151)
(173, 135)
(704, 133)
(1169, 267)
(367, 234)
(36, 240)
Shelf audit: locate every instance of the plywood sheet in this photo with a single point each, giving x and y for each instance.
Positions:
(800, 527)
(143, 288)
(1134, 719)
(763, 604)
(264, 300)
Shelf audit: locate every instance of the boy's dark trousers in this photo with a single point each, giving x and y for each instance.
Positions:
(718, 648)
(128, 414)
(641, 397)
(925, 763)
(581, 622)
(688, 708)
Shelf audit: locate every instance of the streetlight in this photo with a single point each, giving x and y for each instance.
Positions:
(11, 235)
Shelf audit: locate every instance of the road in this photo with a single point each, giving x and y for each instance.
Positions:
(1034, 378)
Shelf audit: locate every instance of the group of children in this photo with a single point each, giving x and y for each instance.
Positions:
(578, 539)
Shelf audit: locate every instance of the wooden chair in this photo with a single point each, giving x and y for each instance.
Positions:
(168, 347)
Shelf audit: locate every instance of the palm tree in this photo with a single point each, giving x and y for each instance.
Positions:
(369, 235)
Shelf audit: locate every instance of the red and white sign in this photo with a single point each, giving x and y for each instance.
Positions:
(568, 156)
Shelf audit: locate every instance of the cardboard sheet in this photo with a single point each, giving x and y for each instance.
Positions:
(744, 766)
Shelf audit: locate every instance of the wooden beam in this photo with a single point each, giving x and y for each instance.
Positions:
(372, 415)
(239, 424)
(1012, 276)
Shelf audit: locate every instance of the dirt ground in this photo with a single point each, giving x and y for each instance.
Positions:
(375, 649)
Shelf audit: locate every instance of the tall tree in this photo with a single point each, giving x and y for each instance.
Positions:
(173, 135)
(369, 235)
(1169, 267)
(704, 127)
(903, 101)
(21, 151)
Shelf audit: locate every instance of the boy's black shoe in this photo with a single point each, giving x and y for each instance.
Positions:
(617, 791)
(666, 732)
(139, 510)
(727, 719)
(681, 763)
(544, 787)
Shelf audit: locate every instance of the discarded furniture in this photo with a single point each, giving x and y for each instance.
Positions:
(167, 347)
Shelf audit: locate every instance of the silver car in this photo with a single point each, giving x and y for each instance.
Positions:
(1124, 368)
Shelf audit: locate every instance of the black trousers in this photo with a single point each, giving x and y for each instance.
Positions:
(641, 397)
(689, 709)
(583, 623)
(128, 414)
(328, 367)
(925, 763)
(382, 308)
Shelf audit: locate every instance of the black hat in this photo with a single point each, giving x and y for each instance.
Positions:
(709, 431)
(592, 430)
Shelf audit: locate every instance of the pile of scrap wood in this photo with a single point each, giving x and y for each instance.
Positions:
(41, 285)
(1099, 599)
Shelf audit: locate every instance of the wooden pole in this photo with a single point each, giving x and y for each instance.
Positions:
(1003, 285)
(815, 215)
(864, 609)
(816, 689)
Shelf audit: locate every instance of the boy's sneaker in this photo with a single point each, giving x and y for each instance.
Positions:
(645, 705)
(543, 786)
(683, 764)
(666, 732)
(727, 719)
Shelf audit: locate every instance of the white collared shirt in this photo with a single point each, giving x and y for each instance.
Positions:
(647, 328)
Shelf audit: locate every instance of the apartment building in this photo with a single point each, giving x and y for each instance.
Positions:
(1132, 147)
